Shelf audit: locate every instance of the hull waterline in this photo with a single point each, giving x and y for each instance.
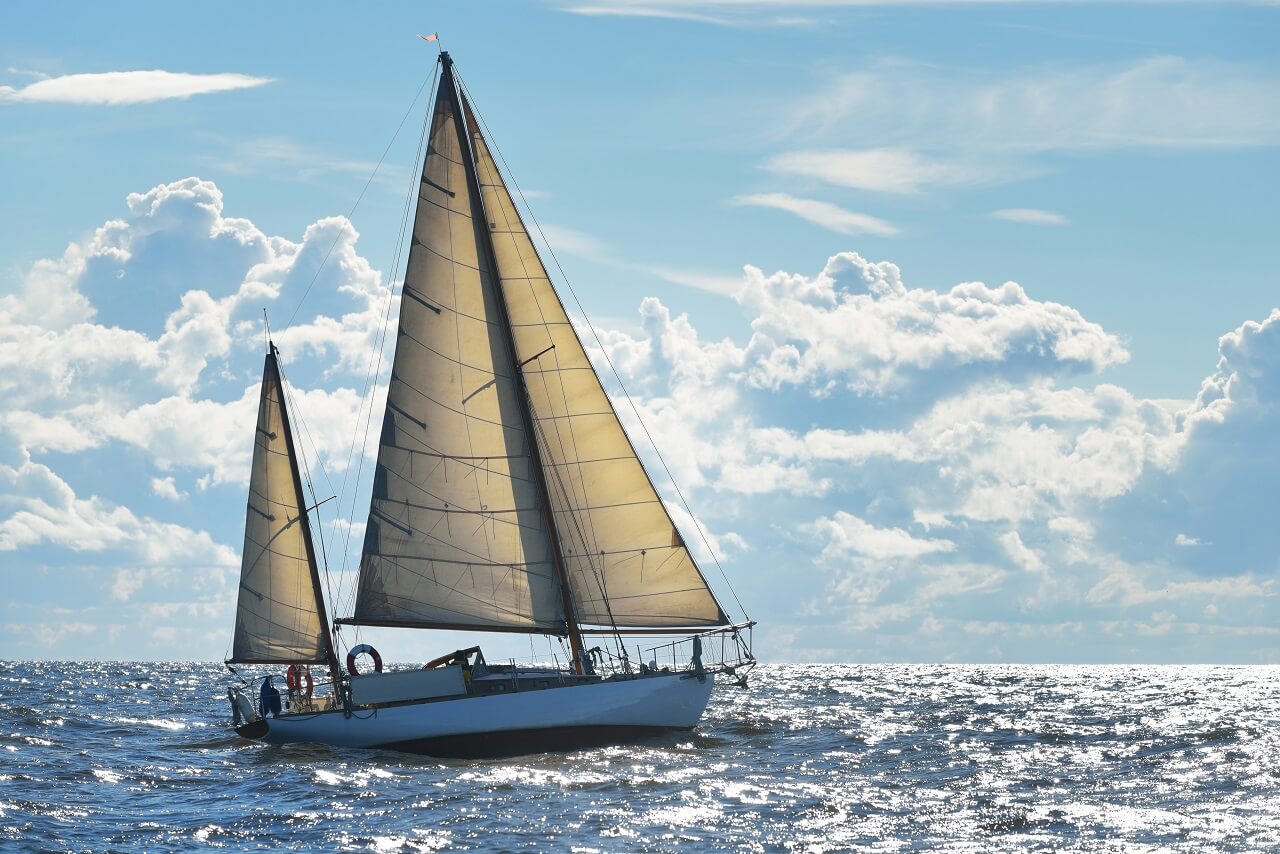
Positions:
(568, 718)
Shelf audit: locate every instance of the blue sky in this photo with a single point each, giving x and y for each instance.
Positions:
(797, 228)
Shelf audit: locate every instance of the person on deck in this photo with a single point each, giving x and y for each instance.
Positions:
(269, 699)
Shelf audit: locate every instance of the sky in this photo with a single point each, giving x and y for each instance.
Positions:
(957, 324)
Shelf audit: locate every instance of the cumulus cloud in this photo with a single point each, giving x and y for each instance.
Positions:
(166, 487)
(45, 509)
(116, 88)
(140, 348)
(900, 471)
(857, 323)
(90, 353)
(1214, 493)
(1001, 496)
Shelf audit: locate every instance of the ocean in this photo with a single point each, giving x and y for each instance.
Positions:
(108, 756)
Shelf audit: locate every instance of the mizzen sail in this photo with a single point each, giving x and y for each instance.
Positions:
(279, 615)
(456, 535)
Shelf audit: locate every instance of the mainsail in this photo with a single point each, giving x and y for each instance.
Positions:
(279, 615)
(493, 464)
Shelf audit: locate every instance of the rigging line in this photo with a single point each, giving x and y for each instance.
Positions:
(375, 363)
(696, 524)
(359, 199)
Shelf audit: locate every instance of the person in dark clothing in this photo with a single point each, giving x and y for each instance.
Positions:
(269, 699)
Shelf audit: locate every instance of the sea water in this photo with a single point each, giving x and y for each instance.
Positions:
(139, 757)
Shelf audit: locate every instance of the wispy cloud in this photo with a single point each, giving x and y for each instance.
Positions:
(571, 241)
(116, 88)
(737, 13)
(39, 75)
(1166, 102)
(627, 10)
(825, 214)
(1031, 216)
(277, 154)
(885, 170)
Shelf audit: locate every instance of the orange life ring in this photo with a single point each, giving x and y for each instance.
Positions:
(296, 675)
(358, 650)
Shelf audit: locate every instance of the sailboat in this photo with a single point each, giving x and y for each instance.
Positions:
(507, 497)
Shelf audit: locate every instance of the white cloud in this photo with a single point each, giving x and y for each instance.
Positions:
(652, 10)
(982, 470)
(1130, 590)
(757, 12)
(845, 535)
(710, 282)
(1020, 554)
(1030, 216)
(279, 155)
(165, 487)
(1164, 101)
(825, 214)
(48, 511)
(48, 635)
(74, 384)
(1184, 540)
(125, 87)
(857, 322)
(917, 458)
(885, 170)
(563, 239)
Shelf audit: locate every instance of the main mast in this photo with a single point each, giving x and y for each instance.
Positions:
(326, 630)
(517, 367)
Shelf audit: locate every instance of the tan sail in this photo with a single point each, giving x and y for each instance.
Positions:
(455, 536)
(624, 558)
(278, 616)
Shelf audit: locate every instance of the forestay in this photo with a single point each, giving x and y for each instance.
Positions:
(278, 618)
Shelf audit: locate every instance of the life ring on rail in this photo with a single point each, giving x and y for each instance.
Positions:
(295, 676)
(358, 650)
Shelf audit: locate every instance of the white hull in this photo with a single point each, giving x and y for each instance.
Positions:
(506, 724)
